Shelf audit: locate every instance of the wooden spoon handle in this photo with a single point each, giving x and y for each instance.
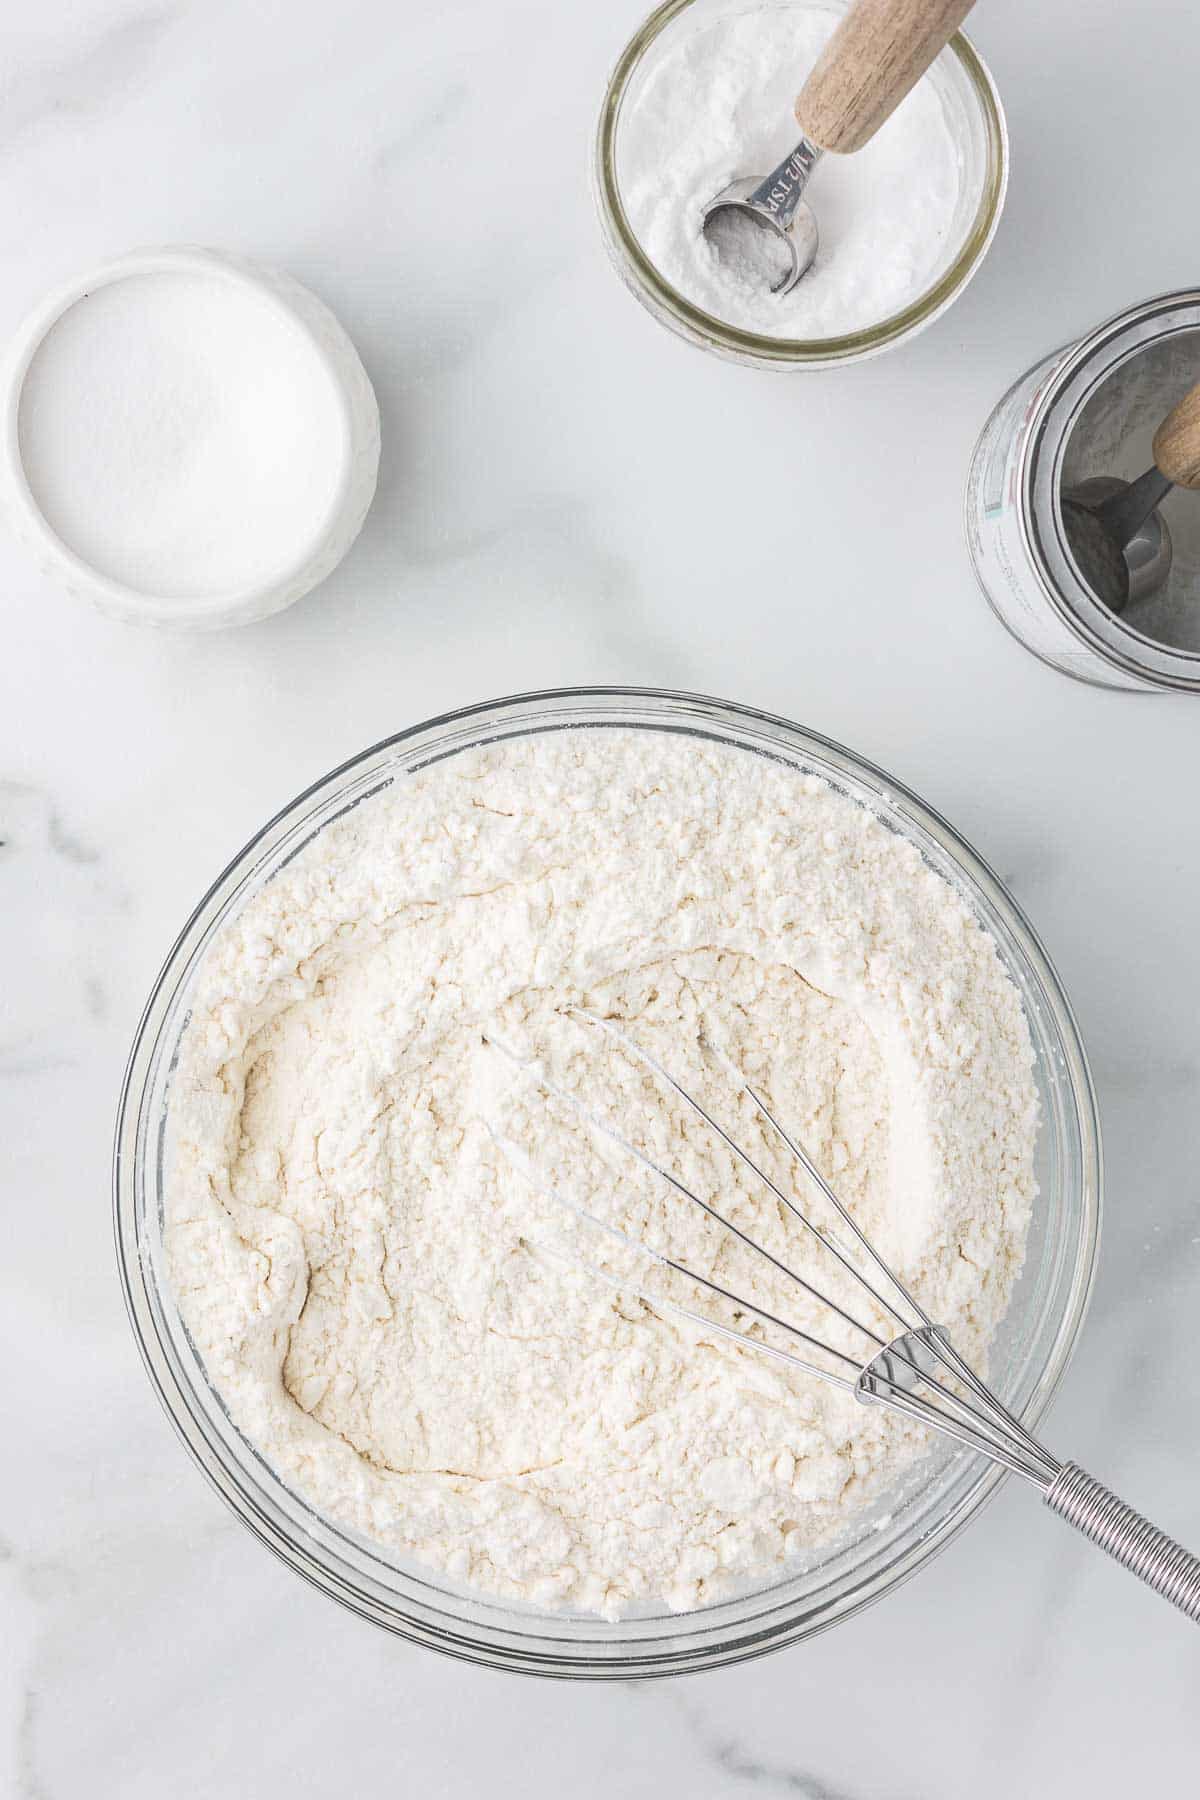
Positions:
(1177, 442)
(879, 51)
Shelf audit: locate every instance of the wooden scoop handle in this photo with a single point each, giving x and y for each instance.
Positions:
(1177, 442)
(880, 50)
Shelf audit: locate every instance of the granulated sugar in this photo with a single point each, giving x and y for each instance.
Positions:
(718, 104)
(181, 434)
(361, 1266)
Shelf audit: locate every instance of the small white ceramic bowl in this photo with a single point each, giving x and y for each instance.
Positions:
(267, 546)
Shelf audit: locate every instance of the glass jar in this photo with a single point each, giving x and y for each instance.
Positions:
(1086, 411)
(891, 1540)
(969, 96)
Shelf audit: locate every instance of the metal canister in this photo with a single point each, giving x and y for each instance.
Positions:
(1062, 423)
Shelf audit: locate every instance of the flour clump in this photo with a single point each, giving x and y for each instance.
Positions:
(362, 1267)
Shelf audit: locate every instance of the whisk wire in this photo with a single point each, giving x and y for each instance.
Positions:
(651, 1062)
(903, 1374)
(669, 1262)
(949, 1356)
(987, 1429)
(705, 1324)
(592, 1118)
(815, 1176)
(984, 1422)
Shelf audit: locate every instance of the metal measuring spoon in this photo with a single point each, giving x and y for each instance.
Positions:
(759, 226)
(1121, 548)
(1148, 553)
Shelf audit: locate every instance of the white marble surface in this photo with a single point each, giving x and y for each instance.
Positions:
(559, 484)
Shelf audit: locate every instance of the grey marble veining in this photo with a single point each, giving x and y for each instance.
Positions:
(556, 492)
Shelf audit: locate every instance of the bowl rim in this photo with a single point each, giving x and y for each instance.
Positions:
(691, 322)
(308, 1550)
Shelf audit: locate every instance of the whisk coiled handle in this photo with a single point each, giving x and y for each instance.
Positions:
(1137, 1545)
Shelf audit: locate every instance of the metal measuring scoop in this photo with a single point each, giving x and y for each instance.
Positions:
(1121, 547)
(760, 227)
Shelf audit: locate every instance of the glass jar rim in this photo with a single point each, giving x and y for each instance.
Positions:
(1081, 373)
(756, 347)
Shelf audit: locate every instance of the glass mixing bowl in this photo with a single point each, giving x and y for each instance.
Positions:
(968, 94)
(888, 1543)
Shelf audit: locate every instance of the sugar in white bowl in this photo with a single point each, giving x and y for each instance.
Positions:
(191, 440)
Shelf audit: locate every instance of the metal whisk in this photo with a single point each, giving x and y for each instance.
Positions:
(916, 1371)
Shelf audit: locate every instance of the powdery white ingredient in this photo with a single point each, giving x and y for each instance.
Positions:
(361, 1267)
(717, 105)
(755, 255)
(181, 434)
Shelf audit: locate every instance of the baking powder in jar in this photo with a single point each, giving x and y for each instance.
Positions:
(1090, 409)
(704, 92)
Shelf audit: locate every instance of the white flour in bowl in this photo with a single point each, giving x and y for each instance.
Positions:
(359, 1263)
(717, 105)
